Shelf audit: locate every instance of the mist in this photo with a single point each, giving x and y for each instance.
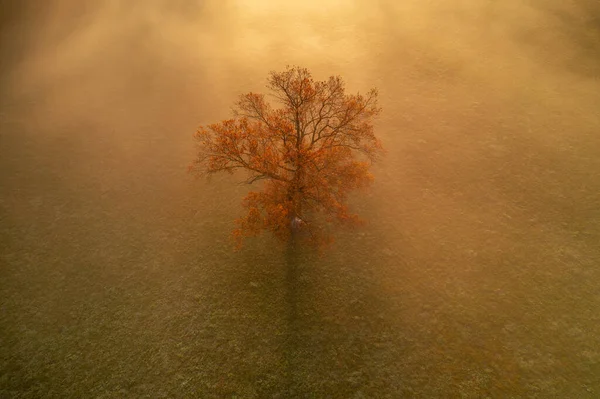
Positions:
(476, 275)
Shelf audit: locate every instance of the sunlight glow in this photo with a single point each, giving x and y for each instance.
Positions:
(291, 7)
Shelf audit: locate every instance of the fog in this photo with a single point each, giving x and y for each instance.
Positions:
(476, 276)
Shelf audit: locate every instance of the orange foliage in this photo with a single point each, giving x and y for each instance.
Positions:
(311, 151)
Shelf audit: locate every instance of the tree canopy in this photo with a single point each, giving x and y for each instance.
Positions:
(307, 152)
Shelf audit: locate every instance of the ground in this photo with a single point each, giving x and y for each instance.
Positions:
(476, 275)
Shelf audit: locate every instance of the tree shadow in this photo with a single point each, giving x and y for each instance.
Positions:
(340, 341)
(293, 262)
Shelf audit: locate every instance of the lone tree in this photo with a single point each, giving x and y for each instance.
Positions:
(308, 153)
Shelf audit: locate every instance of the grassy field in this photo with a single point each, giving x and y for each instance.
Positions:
(476, 277)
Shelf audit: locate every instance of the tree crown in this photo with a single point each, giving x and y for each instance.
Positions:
(309, 152)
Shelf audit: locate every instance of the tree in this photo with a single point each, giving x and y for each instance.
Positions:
(307, 154)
